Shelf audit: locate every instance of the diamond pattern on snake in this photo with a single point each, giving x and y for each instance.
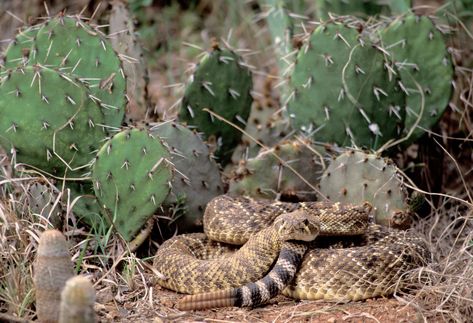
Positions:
(253, 249)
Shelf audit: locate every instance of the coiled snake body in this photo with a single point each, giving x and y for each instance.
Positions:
(199, 263)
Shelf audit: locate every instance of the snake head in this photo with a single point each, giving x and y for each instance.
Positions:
(400, 219)
(298, 225)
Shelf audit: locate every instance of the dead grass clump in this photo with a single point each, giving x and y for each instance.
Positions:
(16, 256)
(444, 287)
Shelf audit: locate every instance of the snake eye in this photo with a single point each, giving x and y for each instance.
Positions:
(306, 222)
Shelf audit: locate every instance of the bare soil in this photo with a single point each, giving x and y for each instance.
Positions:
(160, 307)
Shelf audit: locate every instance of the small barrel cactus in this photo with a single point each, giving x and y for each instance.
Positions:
(77, 301)
(52, 268)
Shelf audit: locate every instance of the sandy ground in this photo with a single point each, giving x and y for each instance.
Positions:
(160, 308)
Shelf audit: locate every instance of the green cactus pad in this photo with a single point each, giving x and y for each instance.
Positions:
(222, 84)
(265, 177)
(74, 47)
(343, 91)
(48, 119)
(197, 178)
(131, 178)
(422, 59)
(354, 177)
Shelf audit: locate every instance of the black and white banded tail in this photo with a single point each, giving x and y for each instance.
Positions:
(254, 293)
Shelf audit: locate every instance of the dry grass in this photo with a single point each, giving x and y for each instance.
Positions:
(444, 287)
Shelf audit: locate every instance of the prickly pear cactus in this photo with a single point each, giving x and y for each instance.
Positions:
(69, 44)
(77, 301)
(222, 84)
(131, 176)
(52, 268)
(265, 177)
(354, 177)
(344, 91)
(420, 54)
(197, 178)
(48, 120)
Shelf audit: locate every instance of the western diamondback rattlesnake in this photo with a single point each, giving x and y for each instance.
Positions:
(201, 263)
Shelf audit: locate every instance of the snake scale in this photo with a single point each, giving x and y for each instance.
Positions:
(367, 264)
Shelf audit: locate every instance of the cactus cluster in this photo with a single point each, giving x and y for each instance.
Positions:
(63, 94)
(363, 85)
